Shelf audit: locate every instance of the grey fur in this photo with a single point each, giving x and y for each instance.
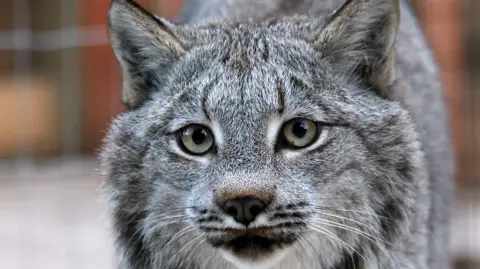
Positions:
(384, 166)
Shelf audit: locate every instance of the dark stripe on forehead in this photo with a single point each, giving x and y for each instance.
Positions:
(190, 100)
(266, 51)
(280, 96)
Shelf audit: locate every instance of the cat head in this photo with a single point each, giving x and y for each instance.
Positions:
(255, 134)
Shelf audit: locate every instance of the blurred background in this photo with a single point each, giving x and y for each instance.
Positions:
(60, 87)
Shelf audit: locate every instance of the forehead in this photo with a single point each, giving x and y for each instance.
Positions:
(249, 72)
(241, 78)
(247, 97)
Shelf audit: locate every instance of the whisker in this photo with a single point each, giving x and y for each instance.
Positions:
(163, 224)
(179, 219)
(344, 218)
(332, 235)
(195, 248)
(178, 234)
(159, 223)
(149, 232)
(303, 241)
(152, 218)
(352, 229)
(169, 217)
(353, 211)
(184, 247)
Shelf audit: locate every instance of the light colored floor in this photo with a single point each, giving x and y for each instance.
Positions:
(51, 218)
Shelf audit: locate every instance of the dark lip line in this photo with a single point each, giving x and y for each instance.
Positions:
(258, 229)
(246, 240)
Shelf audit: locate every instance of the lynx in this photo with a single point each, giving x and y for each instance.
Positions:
(278, 134)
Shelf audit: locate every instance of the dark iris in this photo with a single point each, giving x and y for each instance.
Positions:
(300, 129)
(199, 136)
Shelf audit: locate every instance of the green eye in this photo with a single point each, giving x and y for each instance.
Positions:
(196, 139)
(300, 133)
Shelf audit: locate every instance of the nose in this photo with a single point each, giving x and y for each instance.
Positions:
(244, 210)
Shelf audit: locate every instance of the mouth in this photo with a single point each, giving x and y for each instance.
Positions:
(252, 244)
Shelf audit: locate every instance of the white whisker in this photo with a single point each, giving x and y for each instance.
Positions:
(353, 211)
(195, 248)
(304, 242)
(160, 225)
(344, 218)
(178, 234)
(184, 247)
(170, 217)
(368, 236)
(332, 235)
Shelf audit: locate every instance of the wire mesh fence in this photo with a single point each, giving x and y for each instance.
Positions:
(60, 86)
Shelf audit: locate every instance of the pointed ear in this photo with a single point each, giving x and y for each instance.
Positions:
(360, 38)
(146, 47)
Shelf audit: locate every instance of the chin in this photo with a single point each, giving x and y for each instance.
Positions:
(261, 261)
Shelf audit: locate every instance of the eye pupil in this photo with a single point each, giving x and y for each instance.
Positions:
(300, 129)
(299, 133)
(199, 136)
(195, 139)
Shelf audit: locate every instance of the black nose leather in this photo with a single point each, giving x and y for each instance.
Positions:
(244, 210)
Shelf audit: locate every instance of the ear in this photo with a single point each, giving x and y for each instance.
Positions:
(360, 38)
(145, 46)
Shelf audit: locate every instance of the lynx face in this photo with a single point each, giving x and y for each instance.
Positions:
(254, 141)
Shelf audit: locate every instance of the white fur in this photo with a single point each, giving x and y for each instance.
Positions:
(266, 263)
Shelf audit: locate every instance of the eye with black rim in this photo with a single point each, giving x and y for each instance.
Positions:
(298, 133)
(196, 139)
